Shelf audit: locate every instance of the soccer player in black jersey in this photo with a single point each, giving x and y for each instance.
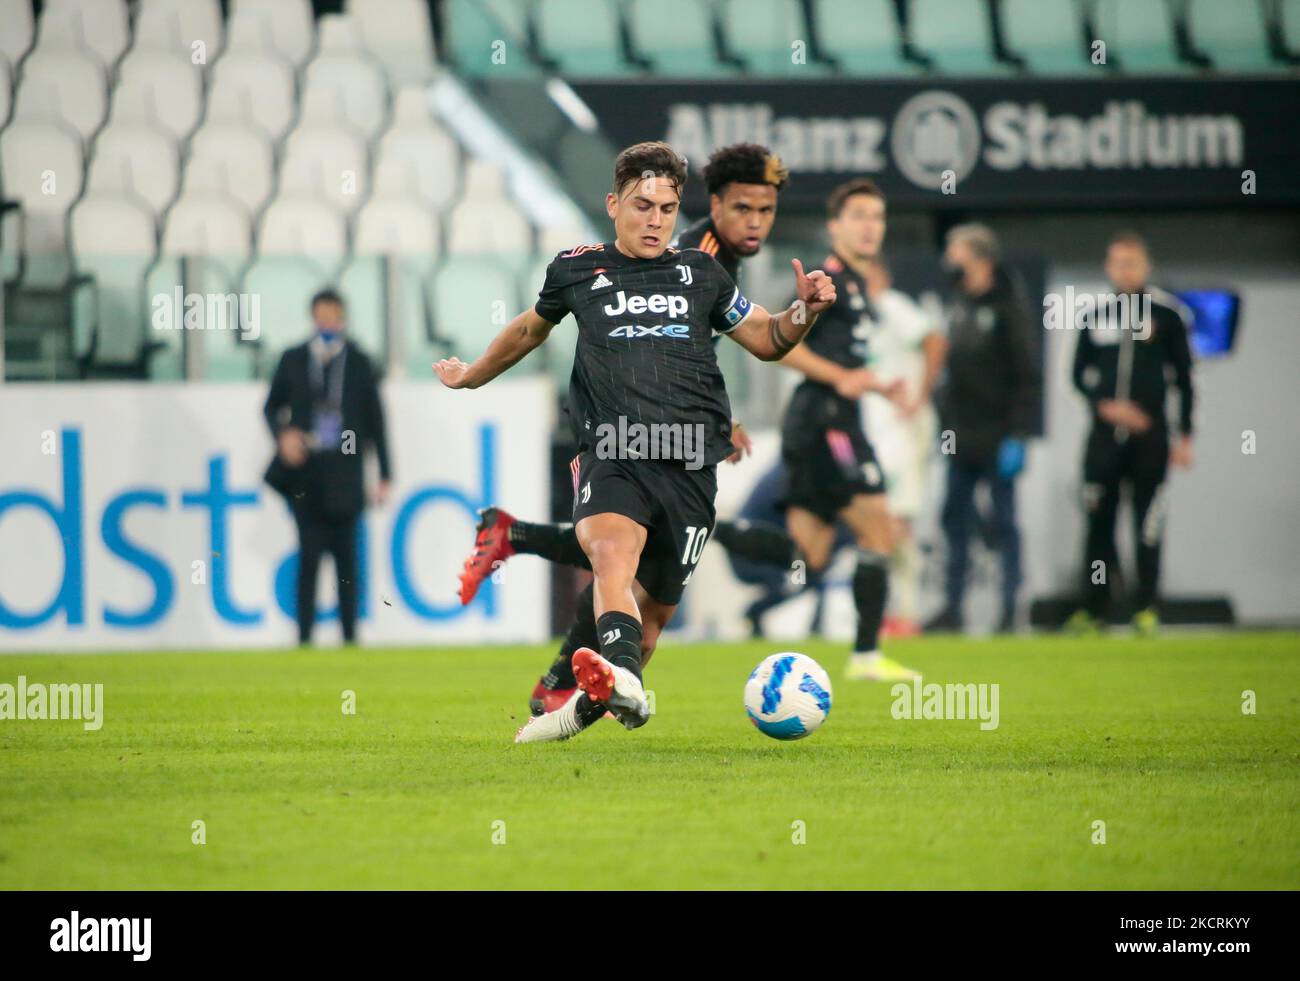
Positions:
(650, 412)
(743, 182)
(832, 472)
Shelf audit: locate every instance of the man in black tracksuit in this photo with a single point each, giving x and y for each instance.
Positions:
(1123, 367)
(323, 410)
(987, 406)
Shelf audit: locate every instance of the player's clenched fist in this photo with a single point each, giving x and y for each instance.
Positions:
(814, 289)
(452, 372)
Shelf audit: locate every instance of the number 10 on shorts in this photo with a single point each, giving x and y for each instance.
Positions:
(695, 538)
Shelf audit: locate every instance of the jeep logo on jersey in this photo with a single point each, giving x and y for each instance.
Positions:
(674, 306)
(657, 330)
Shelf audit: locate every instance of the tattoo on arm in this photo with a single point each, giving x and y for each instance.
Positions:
(781, 344)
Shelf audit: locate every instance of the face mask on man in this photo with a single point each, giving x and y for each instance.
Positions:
(327, 335)
(953, 274)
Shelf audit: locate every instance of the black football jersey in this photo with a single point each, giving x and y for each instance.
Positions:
(841, 332)
(644, 353)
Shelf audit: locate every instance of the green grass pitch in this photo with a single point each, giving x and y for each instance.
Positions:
(1148, 736)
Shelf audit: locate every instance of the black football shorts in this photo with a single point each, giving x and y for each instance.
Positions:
(674, 504)
(828, 459)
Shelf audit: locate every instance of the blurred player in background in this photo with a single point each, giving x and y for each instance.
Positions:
(644, 357)
(987, 403)
(904, 343)
(832, 472)
(1122, 369)
(743, 181)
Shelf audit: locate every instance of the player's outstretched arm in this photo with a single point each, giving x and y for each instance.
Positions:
(852, 383)
(770, 337)
(526, 332)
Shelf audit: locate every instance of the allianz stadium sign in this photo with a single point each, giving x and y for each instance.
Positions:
(1008, 142)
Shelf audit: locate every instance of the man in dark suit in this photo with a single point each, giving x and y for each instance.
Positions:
(323, 410)
(988, 405)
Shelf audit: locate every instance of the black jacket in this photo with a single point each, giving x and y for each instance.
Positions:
(1134, 364)
(992, 386)
(333, 481)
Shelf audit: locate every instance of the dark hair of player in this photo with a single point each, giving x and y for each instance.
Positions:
(744, 163)
(326, 296)
(859, 185)
(648, 159)
(1129, 238)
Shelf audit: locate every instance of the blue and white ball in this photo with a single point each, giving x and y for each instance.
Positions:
(788, 696)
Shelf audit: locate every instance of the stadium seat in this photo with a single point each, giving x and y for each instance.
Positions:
(362, 285)
(97, 26)
(39, 156)
(247, 33)
(489, 37)
(471, 300)
(224, 356)
(63, 86)
(397, 32)
(213, 234)
(763, 34)
(425, 162)
(287, 25)
(253, 88)
(483, 179)
(559, 238)
(301, 226)
(178, 26)
(210, 176)
(328, 162)
(244, 157)
(114, 240)
(958, 37)
(676, 36)
(581, 36)
(489, 227)
(1235, 37)
(20, 30)
(413, 322)
(1047, 34)
(403, 230)
(338, 34)
(1139, 34)
(162, 88)
(284, 286)
(556, 355)
(396, 226)
(411, 109)
(862, 35)
(137, 161)
(350, 87)
(208, 223)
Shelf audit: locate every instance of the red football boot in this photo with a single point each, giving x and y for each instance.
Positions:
(545, 699)
(491, 545)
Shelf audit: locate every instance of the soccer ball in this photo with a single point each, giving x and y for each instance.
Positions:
(788, 696)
